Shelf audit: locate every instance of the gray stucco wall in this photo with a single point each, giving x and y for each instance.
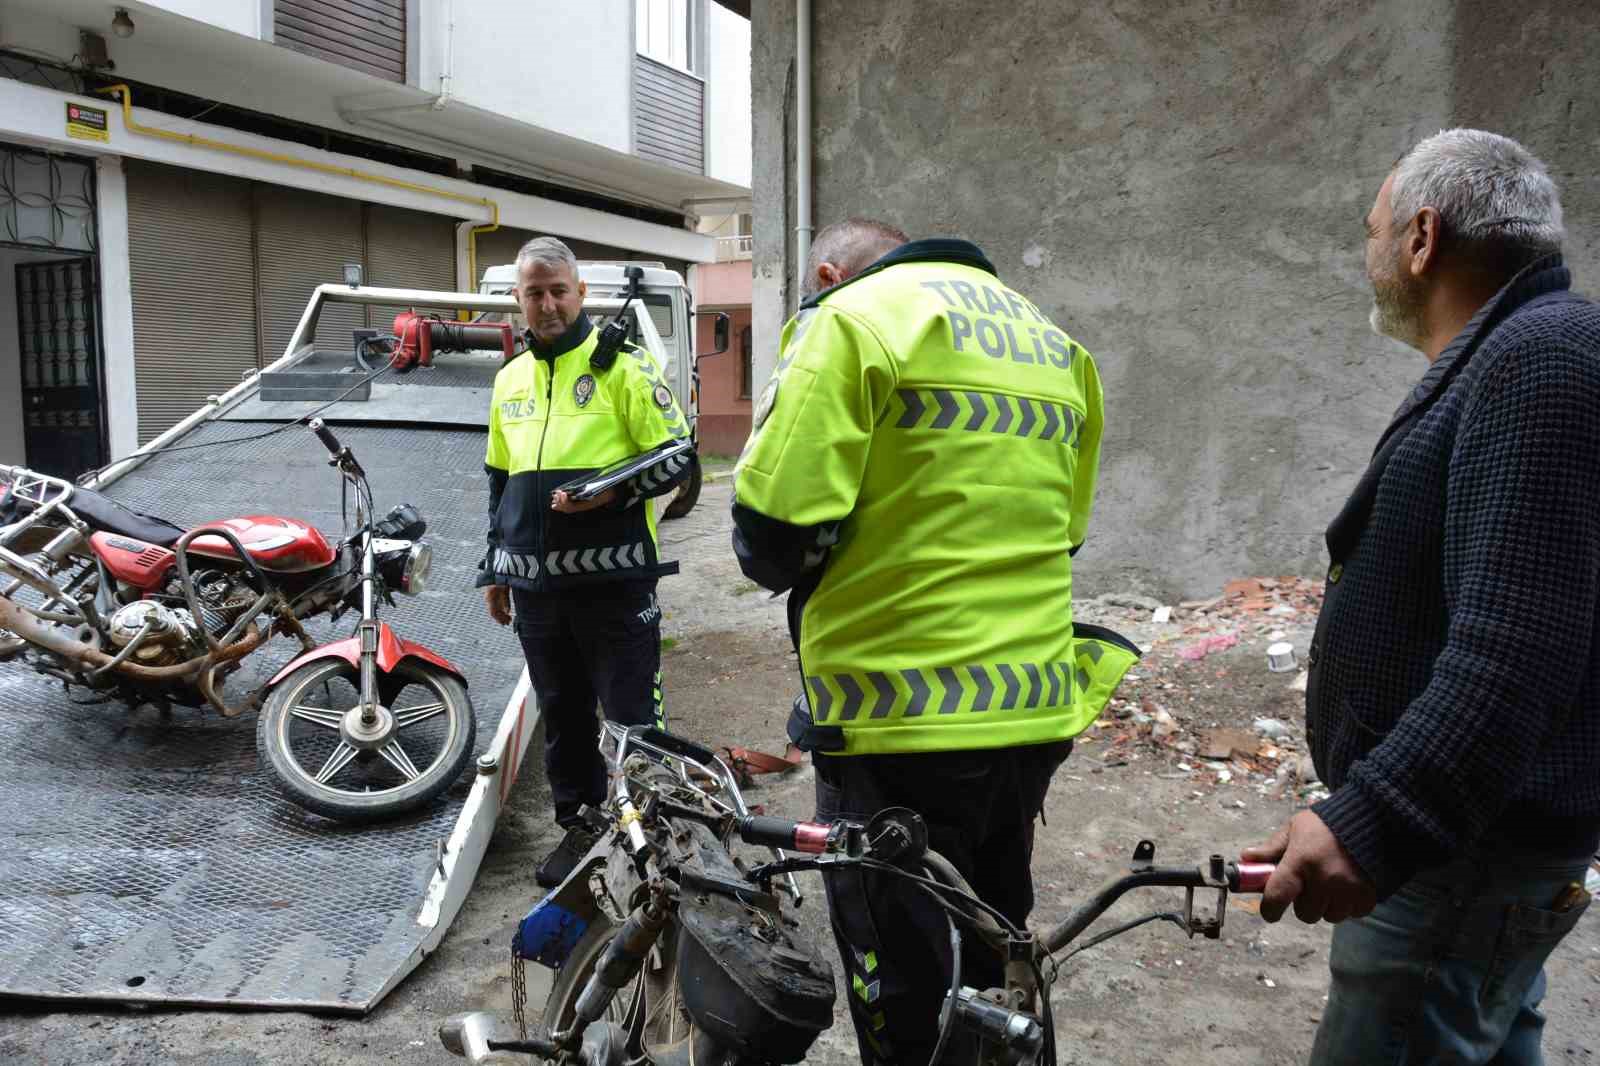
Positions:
(1181, 186)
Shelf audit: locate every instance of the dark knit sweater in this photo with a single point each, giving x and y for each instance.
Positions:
(1454, 697)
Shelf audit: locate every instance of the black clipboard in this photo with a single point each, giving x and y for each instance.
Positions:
(592, 485)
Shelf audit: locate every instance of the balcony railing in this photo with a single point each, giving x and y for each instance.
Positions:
(730, 249)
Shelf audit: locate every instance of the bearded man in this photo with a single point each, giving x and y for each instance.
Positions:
(1454, 696)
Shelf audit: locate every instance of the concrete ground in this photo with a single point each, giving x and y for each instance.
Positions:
(1252, 997)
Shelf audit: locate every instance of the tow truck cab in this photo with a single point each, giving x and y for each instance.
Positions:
(665, 299)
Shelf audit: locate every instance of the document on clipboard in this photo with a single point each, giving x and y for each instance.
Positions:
(592, 485)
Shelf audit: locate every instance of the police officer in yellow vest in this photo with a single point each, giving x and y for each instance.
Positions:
(580, 574)
(920, 472)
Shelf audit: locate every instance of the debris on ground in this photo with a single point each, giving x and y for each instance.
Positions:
(1199, 705)
(1206, 645)
(1272, 729)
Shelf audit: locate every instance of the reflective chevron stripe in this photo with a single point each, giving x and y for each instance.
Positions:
(661, 473)
(594, 560)
(513, 565)
(914, 693)
(991, 412)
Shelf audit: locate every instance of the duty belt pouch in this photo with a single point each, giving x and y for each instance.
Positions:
(748, 983)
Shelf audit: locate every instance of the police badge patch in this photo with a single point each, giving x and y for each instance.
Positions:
(583, 390)
(663, 397)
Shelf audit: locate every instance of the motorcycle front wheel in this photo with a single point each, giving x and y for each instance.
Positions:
(330, 763)
(654, 992)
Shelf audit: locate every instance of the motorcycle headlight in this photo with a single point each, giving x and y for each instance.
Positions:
(418, 567)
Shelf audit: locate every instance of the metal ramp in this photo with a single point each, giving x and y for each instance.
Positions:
(153, 860)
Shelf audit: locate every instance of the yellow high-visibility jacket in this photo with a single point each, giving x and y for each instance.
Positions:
(923, 462)
(553, 418)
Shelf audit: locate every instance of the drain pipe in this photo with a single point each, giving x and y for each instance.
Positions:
(802, 141)
(447, 79)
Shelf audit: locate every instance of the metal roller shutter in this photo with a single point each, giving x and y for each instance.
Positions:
(193, 286)
(304, 239)
(407, 250)
(364, 35)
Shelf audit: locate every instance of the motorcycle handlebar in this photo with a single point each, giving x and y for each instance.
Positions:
(1249, 877)
(325, 435)
(809, 837)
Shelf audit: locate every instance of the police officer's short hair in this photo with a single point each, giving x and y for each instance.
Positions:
(852, 246)
(549, 252)
(1496, 200)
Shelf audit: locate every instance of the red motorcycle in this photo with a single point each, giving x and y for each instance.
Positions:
(141, 611)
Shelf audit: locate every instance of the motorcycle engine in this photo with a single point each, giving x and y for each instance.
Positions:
(173, 636)
(223, 598)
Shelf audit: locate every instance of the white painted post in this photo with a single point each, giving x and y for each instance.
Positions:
(116, 306)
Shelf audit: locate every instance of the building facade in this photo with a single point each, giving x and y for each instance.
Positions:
(726, 379)
(176, 176)
(1180, 185)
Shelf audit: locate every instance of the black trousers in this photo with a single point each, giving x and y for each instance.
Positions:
(893, 940)
(602, 646)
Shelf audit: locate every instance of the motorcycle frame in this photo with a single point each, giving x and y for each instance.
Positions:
(51, 497)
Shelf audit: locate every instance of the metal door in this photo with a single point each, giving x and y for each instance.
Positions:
(61, 385)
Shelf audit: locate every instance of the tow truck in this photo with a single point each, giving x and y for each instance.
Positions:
(146, 856)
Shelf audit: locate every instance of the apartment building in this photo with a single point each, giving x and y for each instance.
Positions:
(177, 175)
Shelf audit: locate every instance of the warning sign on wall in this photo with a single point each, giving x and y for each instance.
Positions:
(87, 123)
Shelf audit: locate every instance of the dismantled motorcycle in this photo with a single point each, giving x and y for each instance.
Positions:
(138, 610)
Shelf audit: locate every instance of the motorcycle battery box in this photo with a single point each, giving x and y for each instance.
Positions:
(750, 984)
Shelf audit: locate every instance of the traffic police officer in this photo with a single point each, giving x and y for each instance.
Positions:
(921, 468)
(579, 574)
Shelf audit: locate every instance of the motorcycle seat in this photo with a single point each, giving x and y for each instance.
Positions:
(105, 515)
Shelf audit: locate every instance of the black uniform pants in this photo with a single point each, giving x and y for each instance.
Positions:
(893, 940)
(582, 647)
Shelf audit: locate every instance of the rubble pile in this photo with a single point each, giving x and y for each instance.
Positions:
(1205, 661)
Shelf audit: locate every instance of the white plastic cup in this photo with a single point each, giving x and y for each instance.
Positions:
(1280, 657)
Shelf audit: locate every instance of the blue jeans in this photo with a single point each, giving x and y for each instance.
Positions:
(1450, 969)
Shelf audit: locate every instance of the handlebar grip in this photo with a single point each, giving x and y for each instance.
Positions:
(325, 435)
(1253, 876)
(770, 832)
(811, 837)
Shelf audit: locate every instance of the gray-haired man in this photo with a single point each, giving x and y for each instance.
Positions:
(1454, 701)
(581, 574)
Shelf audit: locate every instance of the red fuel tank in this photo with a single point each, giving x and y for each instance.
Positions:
(275, 543)
(142, 565)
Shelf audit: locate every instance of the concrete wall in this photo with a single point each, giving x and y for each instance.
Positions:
(565, 67)
(236, 16)
(1180, 185)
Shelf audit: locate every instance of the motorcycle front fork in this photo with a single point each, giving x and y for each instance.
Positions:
(368, 631)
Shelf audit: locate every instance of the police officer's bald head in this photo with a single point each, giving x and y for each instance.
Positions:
(845, 249)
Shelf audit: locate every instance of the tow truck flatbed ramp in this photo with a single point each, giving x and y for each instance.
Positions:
(153, 860)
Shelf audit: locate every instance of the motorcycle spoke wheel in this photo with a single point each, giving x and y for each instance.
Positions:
(396, 756)
(320, 715)
(337, 761)
(652, 994)
(422, 745)
(412, 715)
